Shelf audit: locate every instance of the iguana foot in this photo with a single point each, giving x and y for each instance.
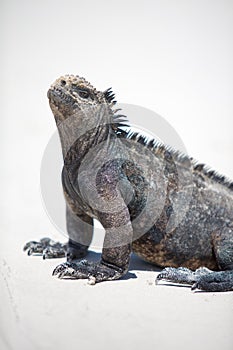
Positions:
(50, 249)
(47, 248)
(202, 279)
(182, 275)
(94, 272)
(217, 281)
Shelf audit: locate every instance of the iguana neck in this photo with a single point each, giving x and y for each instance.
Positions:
(79, 133)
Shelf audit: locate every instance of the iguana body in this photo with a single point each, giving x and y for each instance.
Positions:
(150, 199)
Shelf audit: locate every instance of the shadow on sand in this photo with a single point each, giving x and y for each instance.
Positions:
(135, 264)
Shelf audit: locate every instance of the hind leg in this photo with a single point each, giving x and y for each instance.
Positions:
(182, 275)
(222, 280)
(203, 278)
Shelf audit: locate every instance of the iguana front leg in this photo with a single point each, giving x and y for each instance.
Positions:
(112, 212)
(95, 272)
(116, 251)
(80, 230)
(47, 248)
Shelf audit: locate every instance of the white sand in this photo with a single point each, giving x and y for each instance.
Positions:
(39, 311)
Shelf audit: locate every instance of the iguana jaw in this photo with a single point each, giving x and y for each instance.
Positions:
(61, 103)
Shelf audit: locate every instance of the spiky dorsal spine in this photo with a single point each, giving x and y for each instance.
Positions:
(119, 121)
(109, 96)
(169, 152)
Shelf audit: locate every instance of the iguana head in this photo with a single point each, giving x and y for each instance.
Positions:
(71, 93)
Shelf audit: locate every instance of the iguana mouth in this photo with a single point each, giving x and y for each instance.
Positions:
(59, 96)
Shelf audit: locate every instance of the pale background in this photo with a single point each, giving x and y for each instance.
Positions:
(173, 57)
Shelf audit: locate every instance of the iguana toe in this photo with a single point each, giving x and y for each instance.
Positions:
(94, 272)
(47, 248)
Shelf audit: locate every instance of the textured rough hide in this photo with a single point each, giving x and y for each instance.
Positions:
(166, 207)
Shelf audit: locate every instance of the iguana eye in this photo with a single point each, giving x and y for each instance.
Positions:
(83, 93)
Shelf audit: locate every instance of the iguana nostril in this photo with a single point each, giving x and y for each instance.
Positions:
(63, 82)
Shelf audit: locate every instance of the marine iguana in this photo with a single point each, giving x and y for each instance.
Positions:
(151, 199)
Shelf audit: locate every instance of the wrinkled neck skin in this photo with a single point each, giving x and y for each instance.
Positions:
(82, 129)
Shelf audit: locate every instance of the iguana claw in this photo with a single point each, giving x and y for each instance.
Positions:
(47, 248)
(94, 272)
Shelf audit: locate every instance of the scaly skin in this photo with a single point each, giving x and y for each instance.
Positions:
(150, 199)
